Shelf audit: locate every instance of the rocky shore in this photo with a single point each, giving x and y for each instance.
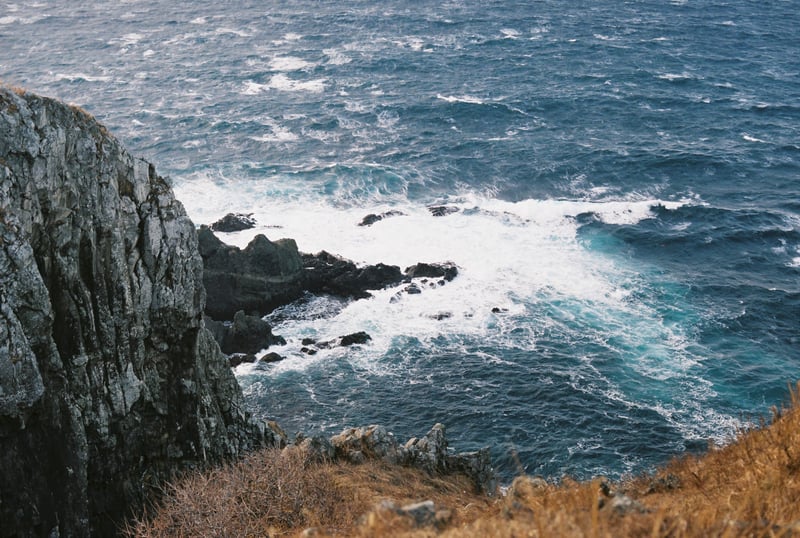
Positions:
(112, 379)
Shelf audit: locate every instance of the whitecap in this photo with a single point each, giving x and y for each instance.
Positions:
(509, 33)
(674, 77)
(199, 20)
(231, 31)
(750, 138)
(288, 63)
(250, 87)
(460, 99)
(335, 57)
(72, 77)
(284, 83)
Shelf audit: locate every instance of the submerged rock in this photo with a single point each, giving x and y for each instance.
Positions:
(442, 210)
(372, 218)
(102, 342)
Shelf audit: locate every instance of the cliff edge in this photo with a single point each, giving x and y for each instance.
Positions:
(109, 381)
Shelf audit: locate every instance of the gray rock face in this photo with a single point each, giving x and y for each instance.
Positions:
(256, 279)
(109, 381)
(429, 453)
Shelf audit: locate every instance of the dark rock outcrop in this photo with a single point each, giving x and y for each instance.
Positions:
(326, 273)
(355, 338)
(256, 279)
(246, 334)
(372, 218)
(446, 271)
(109, 381)
(234, 222)
(442, 210)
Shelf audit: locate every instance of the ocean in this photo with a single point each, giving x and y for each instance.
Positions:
(626, 175)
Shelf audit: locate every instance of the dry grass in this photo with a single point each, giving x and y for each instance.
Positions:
(281, 493)
(748, 488)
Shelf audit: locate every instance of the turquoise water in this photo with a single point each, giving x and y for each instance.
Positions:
(626, 176)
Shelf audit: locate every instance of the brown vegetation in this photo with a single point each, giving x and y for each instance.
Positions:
(748, 488)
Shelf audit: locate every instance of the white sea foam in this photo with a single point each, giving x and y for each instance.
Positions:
(750, 138)
(288, 63)
(72, 77)
(460, 99)
(283, 83)
(675, 77)
(336, 57)
(510, 33)
(231, 31)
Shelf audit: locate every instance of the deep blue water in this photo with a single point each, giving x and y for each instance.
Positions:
(627, 174)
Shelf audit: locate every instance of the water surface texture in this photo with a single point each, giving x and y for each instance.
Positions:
(627, 176)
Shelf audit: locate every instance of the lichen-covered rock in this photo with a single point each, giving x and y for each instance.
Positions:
(109, 381)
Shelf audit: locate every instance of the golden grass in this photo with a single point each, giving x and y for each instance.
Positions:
(749, 488)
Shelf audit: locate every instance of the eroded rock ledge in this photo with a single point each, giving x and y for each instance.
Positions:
(109, 381)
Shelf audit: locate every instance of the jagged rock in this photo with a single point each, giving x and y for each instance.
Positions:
(256, 279)
(429, 452)
(102, 341)
(235, 359)
(356, 338)
(248, 334)
(442, 210)
(374, 442)
(234, 222)
(478, 466)
(372, 218)
(331, 274)
(439, 316)
(446, 271)
(317, 448)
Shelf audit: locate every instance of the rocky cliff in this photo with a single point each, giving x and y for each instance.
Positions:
(109, 381)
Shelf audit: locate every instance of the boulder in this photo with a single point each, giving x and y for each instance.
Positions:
(102, 344)
(234, 222)
(446, 271)
(355, 338)
(271, 357)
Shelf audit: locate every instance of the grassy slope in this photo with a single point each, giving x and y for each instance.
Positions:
(748, 488)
